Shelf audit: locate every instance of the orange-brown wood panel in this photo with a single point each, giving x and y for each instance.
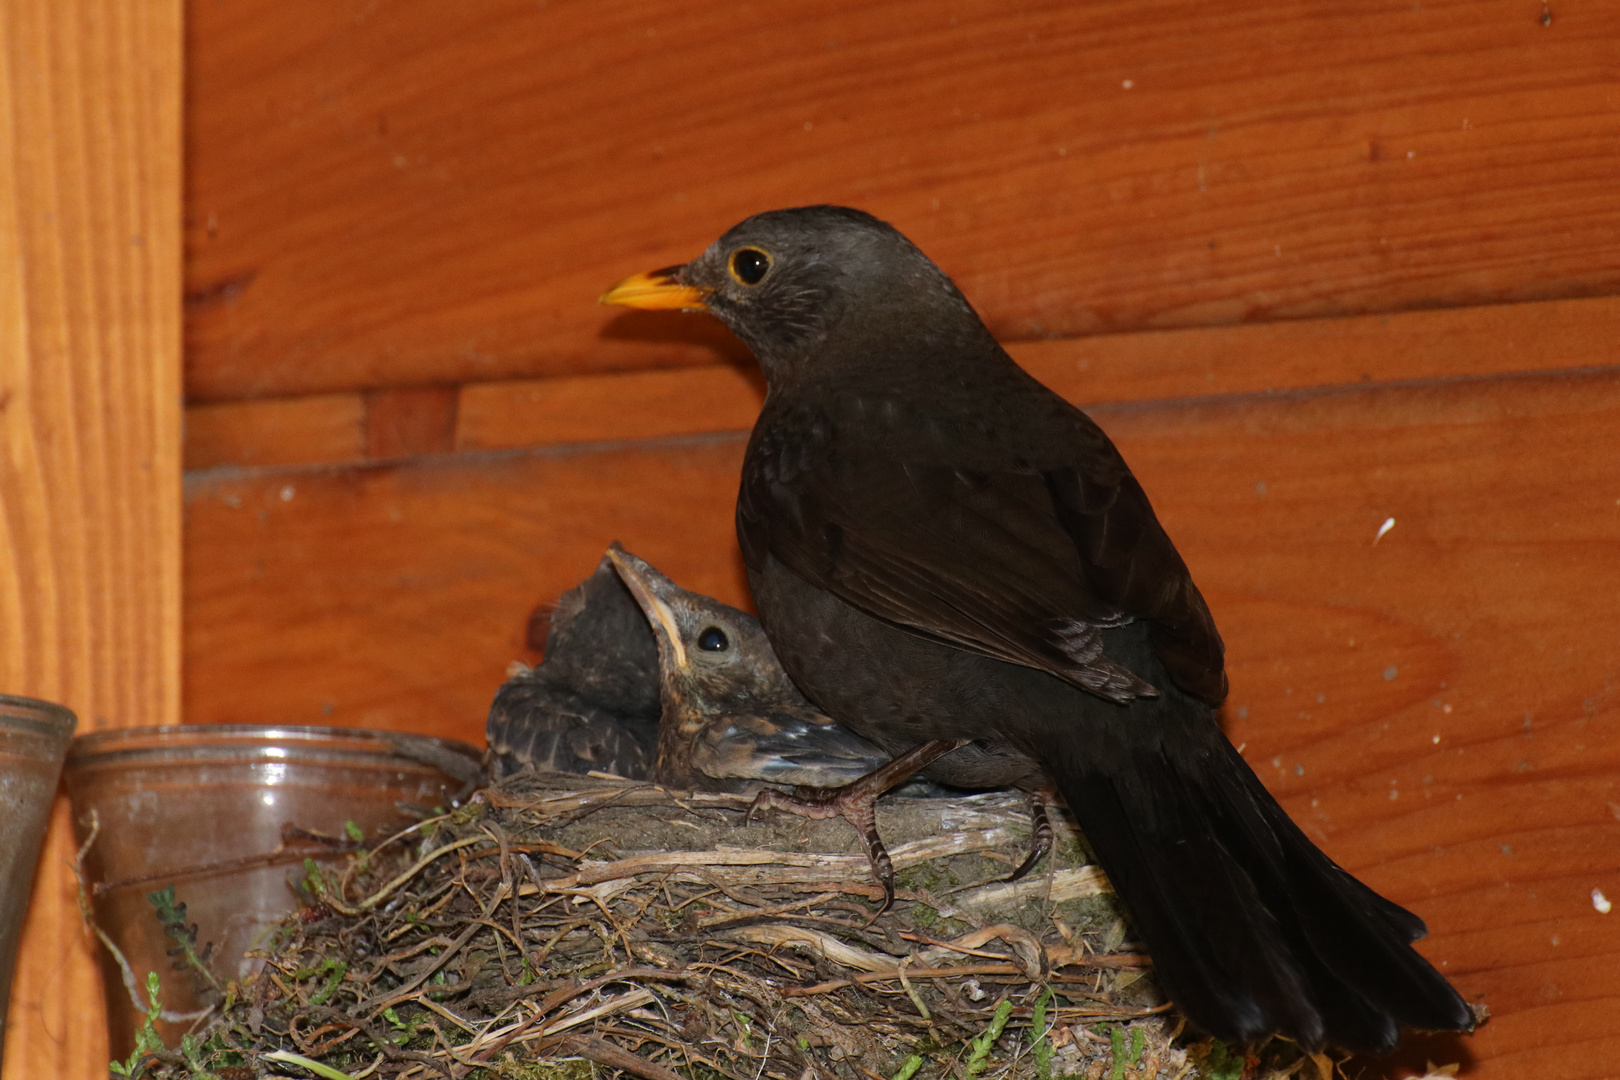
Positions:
(604, 408)
(89, 431)
(276, 431)
(430, 193)
(1438, 706)
(1107, 367)
(409, 421)
(395, 595)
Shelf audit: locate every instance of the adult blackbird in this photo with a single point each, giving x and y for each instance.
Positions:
(942, 548)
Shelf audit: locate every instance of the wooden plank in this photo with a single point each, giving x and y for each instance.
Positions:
(362, 213)
(404, 421)
(605, 408)
(276, 431)
(1108, 367)
(1498, 339)
(394, 596)
(89, 429)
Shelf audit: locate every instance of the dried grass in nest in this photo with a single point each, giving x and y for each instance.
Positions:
(555, 928)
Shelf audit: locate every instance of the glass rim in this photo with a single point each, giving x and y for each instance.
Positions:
(170, 741)
(37, 715)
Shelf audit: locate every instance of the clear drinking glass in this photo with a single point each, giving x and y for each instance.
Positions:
(203, 808)
(34, 735)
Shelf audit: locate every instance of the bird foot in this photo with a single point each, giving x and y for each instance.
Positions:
(856, 803)
(1040, 839)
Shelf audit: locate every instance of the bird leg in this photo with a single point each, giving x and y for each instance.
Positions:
(1040, 838)
(856, 802)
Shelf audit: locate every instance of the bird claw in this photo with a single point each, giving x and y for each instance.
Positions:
(806, 802)
(1040, 840)
(882, 870)
(856, 803)
(762, 802)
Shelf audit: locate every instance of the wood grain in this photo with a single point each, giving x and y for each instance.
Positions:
(89, 428)
(1440, 707)
(429, 193)
(1499, 339)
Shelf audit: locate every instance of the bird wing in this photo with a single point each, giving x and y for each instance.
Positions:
(785, 745)
(1027, 561)
(554, 730)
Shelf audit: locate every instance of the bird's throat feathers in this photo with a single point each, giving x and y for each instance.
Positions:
(881, 348)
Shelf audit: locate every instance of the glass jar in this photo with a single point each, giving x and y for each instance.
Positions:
(226, 814)
(34, 735)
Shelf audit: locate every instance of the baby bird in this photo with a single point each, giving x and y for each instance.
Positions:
(731, 715)
(592, 704)
(612, 669)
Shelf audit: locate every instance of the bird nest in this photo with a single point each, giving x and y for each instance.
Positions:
(553, 929)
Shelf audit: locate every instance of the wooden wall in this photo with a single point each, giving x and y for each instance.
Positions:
(416, 193)
(1316, 267)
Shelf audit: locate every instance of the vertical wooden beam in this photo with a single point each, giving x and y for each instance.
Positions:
(90, 190)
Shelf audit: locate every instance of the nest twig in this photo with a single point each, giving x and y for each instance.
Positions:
(552, 928)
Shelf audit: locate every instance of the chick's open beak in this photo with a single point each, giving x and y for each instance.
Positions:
(644, 584)
(658, 290)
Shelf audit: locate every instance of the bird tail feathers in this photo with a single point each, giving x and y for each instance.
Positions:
(1251, 927)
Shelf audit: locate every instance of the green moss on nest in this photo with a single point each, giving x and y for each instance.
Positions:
(561, 1069)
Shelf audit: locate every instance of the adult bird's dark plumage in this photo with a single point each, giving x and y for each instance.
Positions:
(942, 548)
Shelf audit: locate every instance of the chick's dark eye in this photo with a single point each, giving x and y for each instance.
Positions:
(748, 265)
(713, 639)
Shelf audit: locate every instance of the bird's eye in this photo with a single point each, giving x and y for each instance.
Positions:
(749, 265)
(713, 639)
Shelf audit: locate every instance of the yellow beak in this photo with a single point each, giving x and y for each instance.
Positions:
(657, 291)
